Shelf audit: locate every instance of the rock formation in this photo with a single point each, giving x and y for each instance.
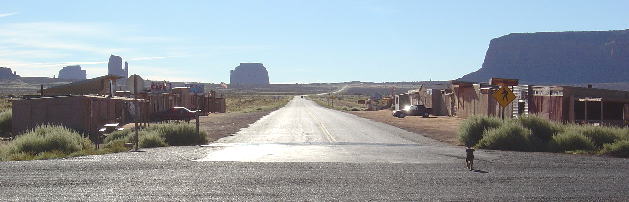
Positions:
(557, 57)
(72, 72)
(115, 67)
(249, 74)
(7, 74)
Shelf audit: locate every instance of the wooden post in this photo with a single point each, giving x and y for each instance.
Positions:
(571, 109)
(602, 117)
(502, 113)
(586, 111)
(137, 110)
(197, 124)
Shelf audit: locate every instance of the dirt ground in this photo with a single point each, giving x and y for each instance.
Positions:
(440, 128)
(224, 124)
(218, 125)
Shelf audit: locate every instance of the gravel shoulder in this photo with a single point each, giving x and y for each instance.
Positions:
(440, 128)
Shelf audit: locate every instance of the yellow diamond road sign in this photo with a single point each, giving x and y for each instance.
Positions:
(504, 96)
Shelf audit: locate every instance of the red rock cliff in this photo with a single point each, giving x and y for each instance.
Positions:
(557, 57)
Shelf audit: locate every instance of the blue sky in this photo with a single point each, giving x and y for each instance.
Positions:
(298, 41)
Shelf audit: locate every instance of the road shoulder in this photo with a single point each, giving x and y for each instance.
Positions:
(222, 125)
(443, 129)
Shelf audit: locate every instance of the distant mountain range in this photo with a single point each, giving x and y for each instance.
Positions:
(558, 58)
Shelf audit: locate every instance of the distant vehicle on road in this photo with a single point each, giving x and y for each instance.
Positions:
(175, 113)
(413, 110)
(399, 114)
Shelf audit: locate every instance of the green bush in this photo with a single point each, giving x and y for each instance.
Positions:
(45, 142)
(115, 146)
(48, 138)
(509, 136)
(472, 129)
(150, 139)
(571, 140)
(601, 135)
(540, 128)
(178, 134)
(619, 149)
(6, 118)
(625, 134)
(120, 134)
(3, 152)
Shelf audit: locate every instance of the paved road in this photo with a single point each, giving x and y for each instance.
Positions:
(306, 132)
(305, 152)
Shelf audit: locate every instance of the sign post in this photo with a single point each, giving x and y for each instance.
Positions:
(504, 96)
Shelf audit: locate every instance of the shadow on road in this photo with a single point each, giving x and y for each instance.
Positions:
(480, 171)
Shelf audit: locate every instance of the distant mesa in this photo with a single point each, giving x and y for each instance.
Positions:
(8, 74)
(557, 57)
(73, 72)
(114, 67)
(249, 74)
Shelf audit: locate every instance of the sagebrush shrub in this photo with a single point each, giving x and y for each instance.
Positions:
(601, 135)
(6, 118)
(179, 134)
(619, 149)
(472, 129)
(540, 128)
(571, 140)
(150, 139)
(49, 138)
(509, 136)
(119, 134)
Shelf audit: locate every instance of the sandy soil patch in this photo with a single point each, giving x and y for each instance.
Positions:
(440, 128)
(221, 125)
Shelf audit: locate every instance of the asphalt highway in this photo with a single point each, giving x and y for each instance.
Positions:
(307, 152)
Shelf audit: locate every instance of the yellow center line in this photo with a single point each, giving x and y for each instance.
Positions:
(327, 133)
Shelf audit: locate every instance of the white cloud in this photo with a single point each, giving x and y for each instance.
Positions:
(160, 73)
(60, 45)
(149, 58)
(56, 36)
(43, 48)
(16, 53)
(45, 65)
(7, 14)
(28, 46)
(30, 69)
(31, 29)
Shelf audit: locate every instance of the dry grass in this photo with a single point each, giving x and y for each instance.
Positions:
(254, 103)
(340, 102)
(4, 104)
